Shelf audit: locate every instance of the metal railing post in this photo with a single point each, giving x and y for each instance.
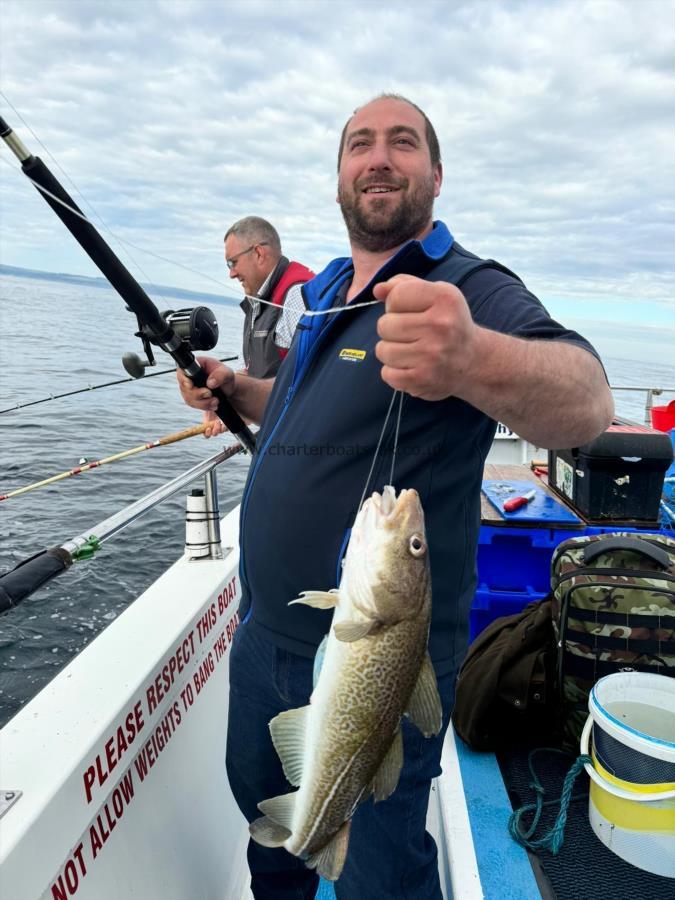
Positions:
(213, 514)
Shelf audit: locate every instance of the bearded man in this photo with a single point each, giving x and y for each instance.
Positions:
(468, 345)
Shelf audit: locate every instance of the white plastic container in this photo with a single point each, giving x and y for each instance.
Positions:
(632, 796)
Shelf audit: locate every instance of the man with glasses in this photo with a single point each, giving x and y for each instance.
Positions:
(253, 256)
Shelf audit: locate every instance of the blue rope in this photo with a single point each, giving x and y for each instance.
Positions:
(553, 840)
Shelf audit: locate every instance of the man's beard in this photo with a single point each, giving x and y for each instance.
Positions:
(371, 229)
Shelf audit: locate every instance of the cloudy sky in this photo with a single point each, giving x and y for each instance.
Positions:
(176, 117)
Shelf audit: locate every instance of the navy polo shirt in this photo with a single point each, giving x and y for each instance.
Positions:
(318, 438)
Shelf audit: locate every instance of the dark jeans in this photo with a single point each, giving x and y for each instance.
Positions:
(390, 856)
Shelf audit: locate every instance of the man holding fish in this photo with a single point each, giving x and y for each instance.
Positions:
(468, 345)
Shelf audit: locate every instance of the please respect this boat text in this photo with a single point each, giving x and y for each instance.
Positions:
(145, 730)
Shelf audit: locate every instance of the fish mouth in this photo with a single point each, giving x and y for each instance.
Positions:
(388, 507)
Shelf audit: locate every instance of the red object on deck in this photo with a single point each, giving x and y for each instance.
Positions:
(663, 417)
(516, 502)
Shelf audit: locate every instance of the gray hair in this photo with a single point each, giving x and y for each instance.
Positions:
(254, 230)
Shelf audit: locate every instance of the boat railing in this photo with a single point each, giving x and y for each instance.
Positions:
(202, 532)
(650, 394)
(119, 520)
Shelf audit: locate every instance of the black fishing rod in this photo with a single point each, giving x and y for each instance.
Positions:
(154, 328)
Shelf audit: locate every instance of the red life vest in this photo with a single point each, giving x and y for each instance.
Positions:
(295, 273)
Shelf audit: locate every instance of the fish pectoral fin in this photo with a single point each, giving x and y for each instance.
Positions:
(268, 833)
(329, 861)
(318, 599)
(386, 777)
(353, 630)
(288, 736)
(280, 810)
(424, 708)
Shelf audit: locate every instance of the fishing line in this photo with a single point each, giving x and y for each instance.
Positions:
(166, 259)
(87, 467)
(398, 425)
(78, 191)
(377, 449)
(96, 387)
(318, 312)
(125, 243)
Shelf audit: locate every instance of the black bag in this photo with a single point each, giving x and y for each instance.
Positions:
(505, 691)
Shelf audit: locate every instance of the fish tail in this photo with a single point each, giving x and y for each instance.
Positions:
(329, 861)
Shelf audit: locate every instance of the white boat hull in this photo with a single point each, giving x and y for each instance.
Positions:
(121, 758)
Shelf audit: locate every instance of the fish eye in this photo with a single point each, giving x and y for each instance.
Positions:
(417, 545)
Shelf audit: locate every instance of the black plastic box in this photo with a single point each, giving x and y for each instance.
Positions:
(618, 476)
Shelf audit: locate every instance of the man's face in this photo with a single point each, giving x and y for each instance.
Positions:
(386, 183)
(251, 265)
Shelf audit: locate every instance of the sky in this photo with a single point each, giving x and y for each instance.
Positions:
(174, 118)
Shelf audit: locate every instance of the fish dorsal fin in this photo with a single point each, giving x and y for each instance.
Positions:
(280, 810)
(268, 833)
(424, 708)
(329, 861)
(318, 599)
(353, 631)
(386, 777)
(288, 736)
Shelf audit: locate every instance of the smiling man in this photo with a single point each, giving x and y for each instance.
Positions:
(253, 256)
(468, 345)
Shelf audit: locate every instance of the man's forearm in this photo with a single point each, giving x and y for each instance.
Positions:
(552, 393)
(250, 396)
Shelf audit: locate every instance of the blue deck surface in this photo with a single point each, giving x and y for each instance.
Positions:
(325, 891)
(504, 868)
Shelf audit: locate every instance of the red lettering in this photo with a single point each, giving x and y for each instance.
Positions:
(77, 853)
(59, 890)
(69, 882)
(112, 823)
(101, 775)
(141, 764)
(95, 842)
(126, 786)
(121, 742)
(151, 699)
(110, 754)
(89, 778)
(71, 876)
(114, 749)
(104, 834)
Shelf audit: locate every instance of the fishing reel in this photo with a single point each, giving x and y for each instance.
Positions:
(196, 328)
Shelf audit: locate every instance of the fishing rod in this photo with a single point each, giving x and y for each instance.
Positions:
(32, 573)
(96, 464)
(154, 328)
(96, 387)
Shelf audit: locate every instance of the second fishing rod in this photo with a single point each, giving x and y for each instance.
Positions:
(153, 326)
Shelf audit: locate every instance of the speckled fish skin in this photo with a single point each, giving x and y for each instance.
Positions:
(376, 668)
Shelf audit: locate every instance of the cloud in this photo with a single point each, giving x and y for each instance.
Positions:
(557, 123)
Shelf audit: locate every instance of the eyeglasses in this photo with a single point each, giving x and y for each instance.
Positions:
(231, 263)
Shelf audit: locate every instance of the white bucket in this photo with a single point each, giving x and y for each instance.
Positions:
(632, 797)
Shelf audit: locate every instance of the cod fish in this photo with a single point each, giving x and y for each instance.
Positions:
(347, 743)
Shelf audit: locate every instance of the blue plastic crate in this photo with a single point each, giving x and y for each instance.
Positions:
(518, 559)
(489, 605)
(514, 567)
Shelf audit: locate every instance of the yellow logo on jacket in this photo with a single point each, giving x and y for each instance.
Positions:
(352, 355)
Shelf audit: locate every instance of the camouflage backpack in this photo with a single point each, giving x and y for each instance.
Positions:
(613, 610)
